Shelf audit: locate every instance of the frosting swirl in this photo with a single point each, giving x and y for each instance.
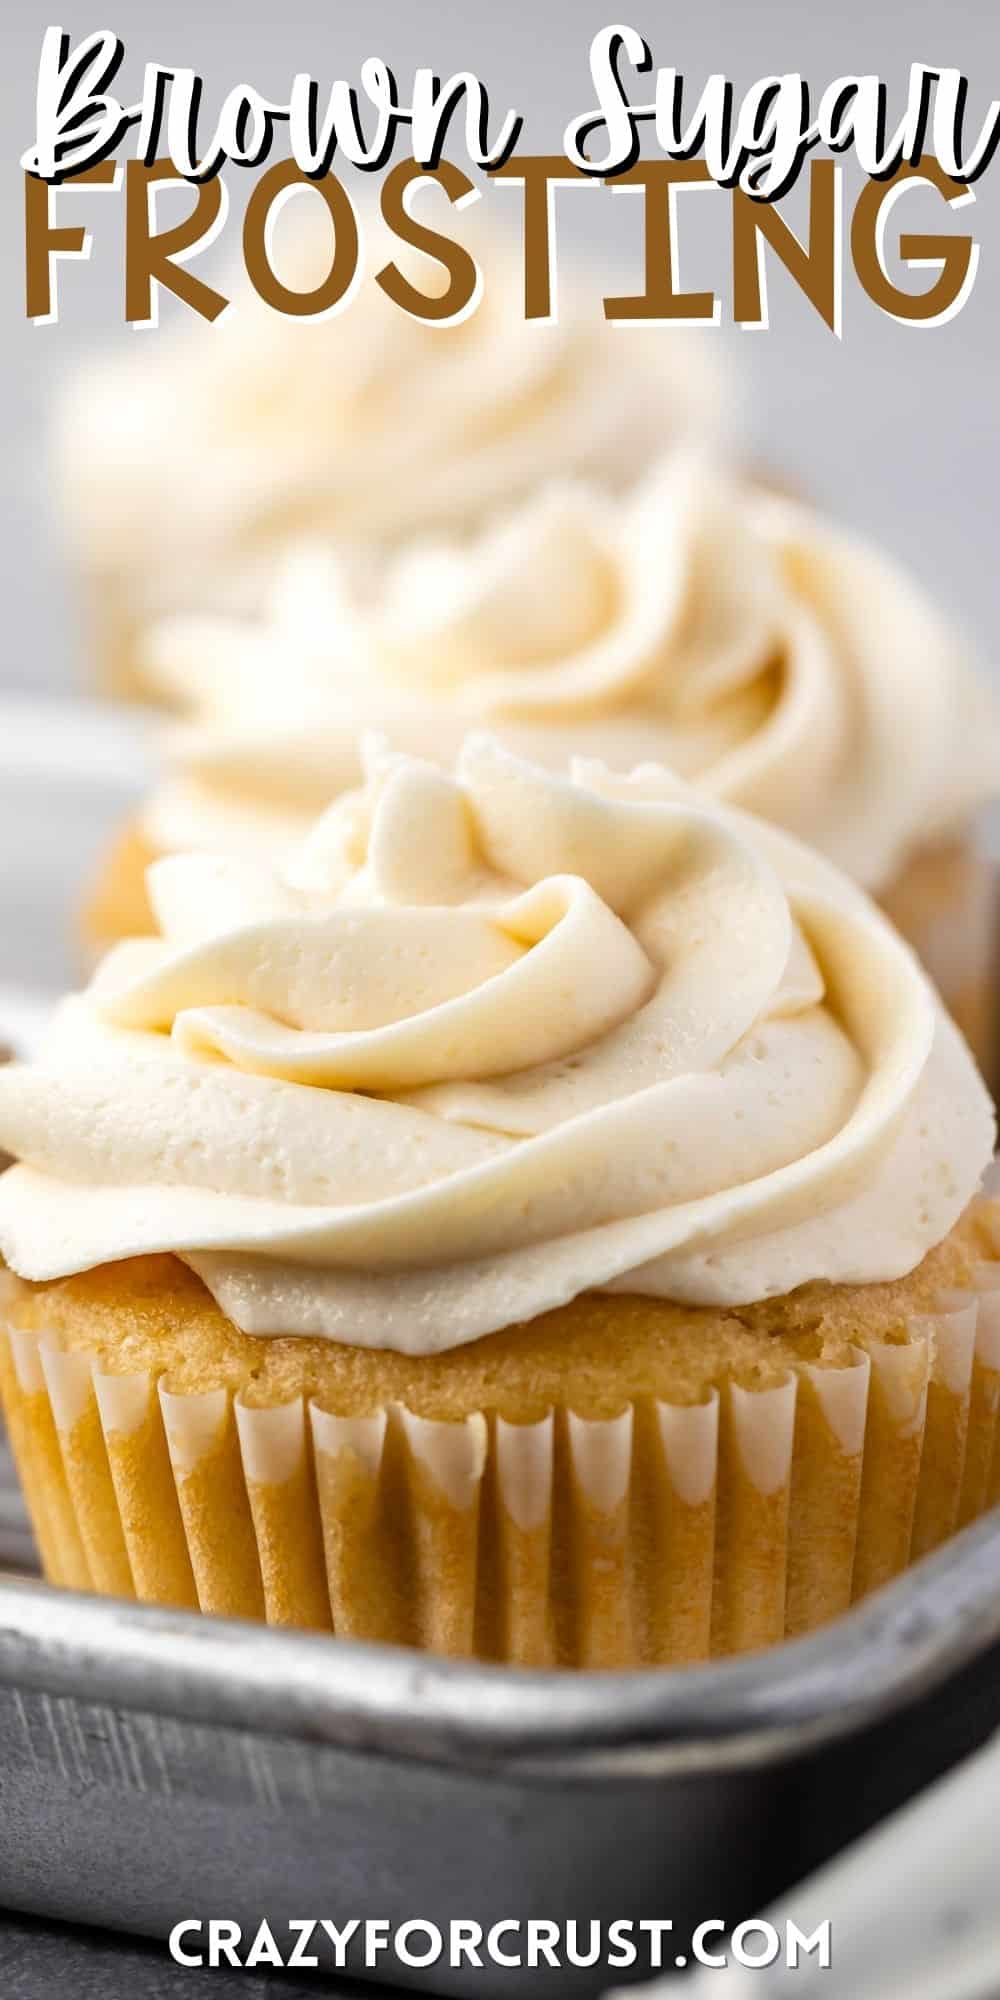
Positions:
(495, 1038)
(209, 449)
(736, 638)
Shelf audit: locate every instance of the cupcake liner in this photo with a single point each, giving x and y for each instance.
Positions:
(35, 1444)
(667, 1533)
(831, 1417)
(981, 1472)
(138, 1457)
(952, 1339)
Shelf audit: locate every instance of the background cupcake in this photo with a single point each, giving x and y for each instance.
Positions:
(742, 640)
(539, 1221)
(183, 470)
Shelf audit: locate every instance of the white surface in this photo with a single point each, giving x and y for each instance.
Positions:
(913, 1908)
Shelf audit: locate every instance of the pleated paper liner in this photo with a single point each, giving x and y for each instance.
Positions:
(669, 1533)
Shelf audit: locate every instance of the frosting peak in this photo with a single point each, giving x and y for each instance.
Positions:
(736, 638)
(494, 1038)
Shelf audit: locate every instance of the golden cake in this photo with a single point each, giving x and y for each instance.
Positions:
(539, 1220)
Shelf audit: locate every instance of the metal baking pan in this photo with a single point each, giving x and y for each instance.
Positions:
(158, 1765)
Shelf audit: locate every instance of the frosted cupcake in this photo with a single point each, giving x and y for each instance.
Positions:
(183, 469)
(742, 640)
(537, 1221)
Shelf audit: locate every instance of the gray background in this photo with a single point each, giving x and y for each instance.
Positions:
(899, 429)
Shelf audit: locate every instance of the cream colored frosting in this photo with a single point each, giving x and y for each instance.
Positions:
(182, 463)
(496, 1038)
(739, 639)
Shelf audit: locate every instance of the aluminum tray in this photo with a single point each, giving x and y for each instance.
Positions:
(156, 1765)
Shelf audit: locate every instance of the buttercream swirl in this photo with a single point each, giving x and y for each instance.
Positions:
(497, 1037)
(739, 639)
(182, 466)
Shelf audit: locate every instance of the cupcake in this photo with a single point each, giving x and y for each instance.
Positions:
(182, 469)
(539, 1220)
(738, 638)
